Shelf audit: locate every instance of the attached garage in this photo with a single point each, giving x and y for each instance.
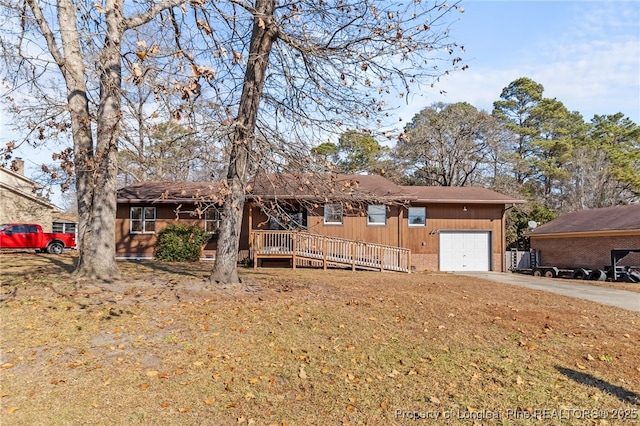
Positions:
(465, 251)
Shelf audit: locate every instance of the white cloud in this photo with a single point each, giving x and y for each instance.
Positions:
(592, 66)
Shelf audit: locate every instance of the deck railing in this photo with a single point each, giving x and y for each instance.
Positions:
(302, 247)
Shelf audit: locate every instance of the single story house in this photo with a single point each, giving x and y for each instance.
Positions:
(585, 238)
(442, 228)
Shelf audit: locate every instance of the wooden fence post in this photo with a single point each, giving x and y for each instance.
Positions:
(324, 253)
(295, 246)
(354, 251)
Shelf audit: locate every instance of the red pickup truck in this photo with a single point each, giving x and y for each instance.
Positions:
(28, 236)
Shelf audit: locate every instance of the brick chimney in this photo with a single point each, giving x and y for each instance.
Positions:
(17, 166)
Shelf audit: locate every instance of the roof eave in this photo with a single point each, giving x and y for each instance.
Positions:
(577, 234)
(463, 201)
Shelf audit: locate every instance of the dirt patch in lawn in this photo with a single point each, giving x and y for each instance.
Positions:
(305, 347)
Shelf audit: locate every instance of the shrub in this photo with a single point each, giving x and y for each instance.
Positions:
(180, 243)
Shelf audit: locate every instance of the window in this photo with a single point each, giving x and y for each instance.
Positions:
(417, 216)
(143, 220)
(211, 220)
(64, 227)
(287, 220)
(376, 215)
(333, 214)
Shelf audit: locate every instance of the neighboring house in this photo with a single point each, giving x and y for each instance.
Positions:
(444, 228)
(585, 238)
(19, 200)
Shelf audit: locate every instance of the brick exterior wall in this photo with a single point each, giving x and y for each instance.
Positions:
(424, 262)
(18, 203)
(587, 252)
(429, 262)
(15, 208)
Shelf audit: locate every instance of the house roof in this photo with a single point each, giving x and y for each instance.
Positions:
(171, 192)
(312, 187)
(459, 195)
(325, 187)
(620, 218)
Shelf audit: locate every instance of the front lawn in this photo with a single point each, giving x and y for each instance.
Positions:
(305, 347)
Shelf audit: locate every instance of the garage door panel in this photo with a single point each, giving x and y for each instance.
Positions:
(464, 251)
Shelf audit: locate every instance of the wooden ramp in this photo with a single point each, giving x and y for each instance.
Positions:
(312, 250)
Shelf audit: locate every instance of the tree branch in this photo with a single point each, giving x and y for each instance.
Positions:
(145, 17)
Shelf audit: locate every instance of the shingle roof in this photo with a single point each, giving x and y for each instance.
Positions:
(319, 187)
(459, 194)
(620, 218)
(170, 192)
(312, 187)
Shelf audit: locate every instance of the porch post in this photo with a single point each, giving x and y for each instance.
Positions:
(295, 246)
(324, 253)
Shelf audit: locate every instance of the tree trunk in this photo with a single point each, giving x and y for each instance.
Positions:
(96, 170)
(263, 35)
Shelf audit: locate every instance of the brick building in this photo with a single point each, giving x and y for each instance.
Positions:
(20, 200)
(585, 238)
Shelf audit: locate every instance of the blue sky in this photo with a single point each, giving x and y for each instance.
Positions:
(586, 54)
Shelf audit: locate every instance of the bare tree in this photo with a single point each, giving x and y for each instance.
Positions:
(310, 70)
(84, 42)
(279, 77)
(449, 145)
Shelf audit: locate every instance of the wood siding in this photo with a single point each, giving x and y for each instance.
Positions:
(354, 227)
(130, 245)
(422, 241)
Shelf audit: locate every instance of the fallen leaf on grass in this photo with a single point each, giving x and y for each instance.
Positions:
(302, 374)
(152, 373)
(144, 386)
(209, 401)
(183, 410)
(580, 366)
(11, 410)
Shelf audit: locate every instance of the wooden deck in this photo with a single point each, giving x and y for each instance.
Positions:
(313, 250)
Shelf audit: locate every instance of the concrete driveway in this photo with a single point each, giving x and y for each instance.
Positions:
(606, 296)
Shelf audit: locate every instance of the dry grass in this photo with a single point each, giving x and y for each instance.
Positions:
(303, 347)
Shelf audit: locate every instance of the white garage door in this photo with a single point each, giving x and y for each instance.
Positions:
(464, 251)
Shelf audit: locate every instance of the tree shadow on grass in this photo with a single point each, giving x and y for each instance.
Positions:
(619, 392)
(191, 269)
(60, 262)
